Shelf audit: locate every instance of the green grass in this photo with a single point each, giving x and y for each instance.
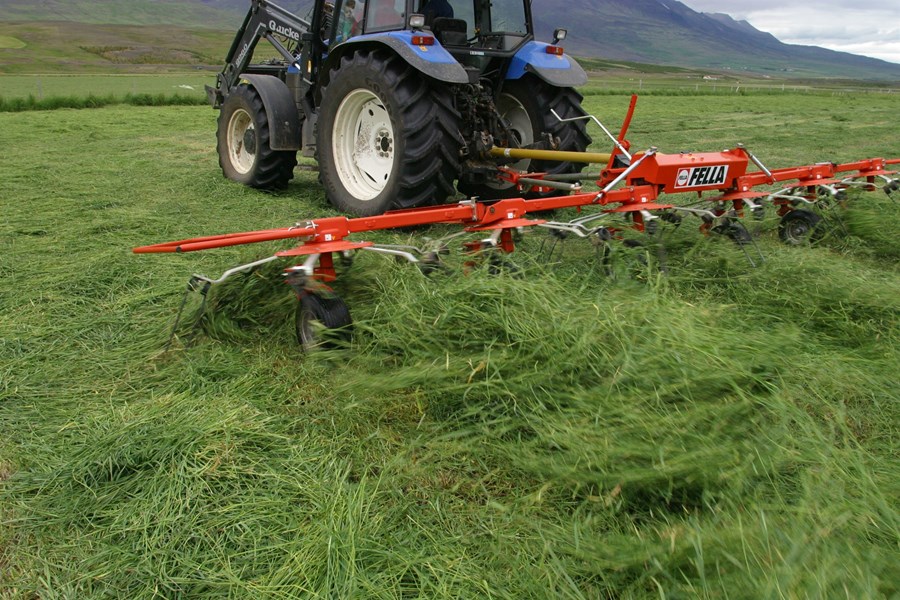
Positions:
(721, 431)
(54, 48)
(156, 13)
(92, 101)
(46, 92)
(9, 42)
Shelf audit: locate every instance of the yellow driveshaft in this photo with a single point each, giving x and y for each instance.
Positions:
(555, 155)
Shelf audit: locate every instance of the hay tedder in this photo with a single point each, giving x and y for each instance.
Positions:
(630, 196)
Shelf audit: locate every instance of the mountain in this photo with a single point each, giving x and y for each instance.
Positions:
(668, 32)
(648, 31)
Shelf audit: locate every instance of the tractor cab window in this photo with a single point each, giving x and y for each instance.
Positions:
(453, 21)
(502, 24)
(508, 17)
(490, 24)
(349, 20)
(385, 14)
(437, 9)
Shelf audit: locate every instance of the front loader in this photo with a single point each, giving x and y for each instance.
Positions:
(400, 104)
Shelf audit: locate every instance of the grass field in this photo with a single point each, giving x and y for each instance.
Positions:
(9, 42)
(65, 47)
(44, 87)
(609, 78)
(717, 432)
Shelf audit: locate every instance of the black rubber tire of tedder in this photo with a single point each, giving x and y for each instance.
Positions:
(414, 150)
(538, 98)
(242, 142)
(800, 226)
(317, 312)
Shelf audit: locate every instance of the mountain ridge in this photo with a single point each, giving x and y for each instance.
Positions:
(663, 32)
(669, 32)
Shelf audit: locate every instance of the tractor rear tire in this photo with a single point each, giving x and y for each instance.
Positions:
(387, 136)
(526, 105)
(243, 143)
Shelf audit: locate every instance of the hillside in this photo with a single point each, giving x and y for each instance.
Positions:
(662, 32)
(668, 32)
(185, 13)
(64, 47)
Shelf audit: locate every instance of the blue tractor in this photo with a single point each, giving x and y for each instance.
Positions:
(399, 101)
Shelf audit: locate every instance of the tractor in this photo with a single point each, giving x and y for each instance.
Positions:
(401, 102)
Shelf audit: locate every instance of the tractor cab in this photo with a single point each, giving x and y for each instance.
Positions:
(464, 27)
(483, 36)
(480, 25)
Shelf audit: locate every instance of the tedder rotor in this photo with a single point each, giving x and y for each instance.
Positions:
(631, 185)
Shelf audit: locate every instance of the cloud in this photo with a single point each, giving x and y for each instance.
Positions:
(841, 25)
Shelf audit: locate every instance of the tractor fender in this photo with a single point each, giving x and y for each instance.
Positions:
(559, 71)
(433, 61)
(284, 119)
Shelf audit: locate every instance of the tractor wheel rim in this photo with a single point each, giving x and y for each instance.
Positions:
(240, 156)
(520, 124)
(364, 146)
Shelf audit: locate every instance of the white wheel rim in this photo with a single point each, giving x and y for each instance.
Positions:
(798, 231)
(519, 122)
(363, 144)
(238, 127)
(310, 330)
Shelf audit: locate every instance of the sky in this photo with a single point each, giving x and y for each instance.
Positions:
(870, 29)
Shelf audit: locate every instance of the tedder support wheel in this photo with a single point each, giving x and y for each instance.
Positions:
(387, 137)
(800, 226)
(735, 231)
(316, 313)
(243, 143)
(526, 106)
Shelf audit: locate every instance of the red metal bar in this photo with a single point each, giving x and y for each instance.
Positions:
(624, 131)
(324, 248)
(627, 122)
(655, 175)
(228, 239)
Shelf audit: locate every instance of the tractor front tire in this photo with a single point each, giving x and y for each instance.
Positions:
(387, 137)
(243, 143)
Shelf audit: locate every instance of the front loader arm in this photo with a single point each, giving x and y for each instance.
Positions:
(264, 20)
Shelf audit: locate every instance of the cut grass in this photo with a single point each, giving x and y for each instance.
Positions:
(8, 42)
(46, 87)
(92, 101)
(553, 432)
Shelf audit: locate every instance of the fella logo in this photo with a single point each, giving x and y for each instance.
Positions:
(702, 176)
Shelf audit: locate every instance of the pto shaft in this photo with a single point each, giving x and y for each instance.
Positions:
(555, 155)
